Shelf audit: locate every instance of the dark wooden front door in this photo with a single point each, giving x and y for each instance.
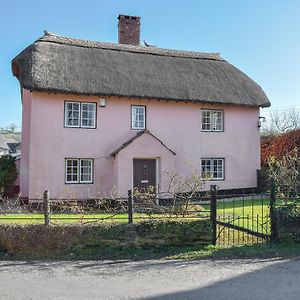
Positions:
(144, 173)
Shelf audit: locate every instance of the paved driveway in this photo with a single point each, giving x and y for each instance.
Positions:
(153, 279)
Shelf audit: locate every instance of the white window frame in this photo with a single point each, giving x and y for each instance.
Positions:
(204, 111)
(211, 168)
(67, 111)
(133, 117)
(79, 171)
(90, 167)
(92, 112)
(213, 118)
(80, 114)
(66, 170)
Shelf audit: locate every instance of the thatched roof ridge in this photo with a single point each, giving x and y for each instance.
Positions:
(64, 65)
(53, 38)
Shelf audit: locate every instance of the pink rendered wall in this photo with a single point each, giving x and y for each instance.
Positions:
(178, 125)
(17, 162)
(24, 162)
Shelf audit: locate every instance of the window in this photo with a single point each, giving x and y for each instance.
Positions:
(138, 117)
(79, 170)
(72, 114)
(72, 170)
(86, 170)
(212, 168)
(80, 114)
(88, 115)
(212, 120)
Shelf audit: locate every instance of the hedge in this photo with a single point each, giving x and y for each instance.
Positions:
(47, 241)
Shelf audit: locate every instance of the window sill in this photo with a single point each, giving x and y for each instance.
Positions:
(78, 127)
(78, 183)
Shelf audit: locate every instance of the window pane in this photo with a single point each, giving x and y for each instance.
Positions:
(218, 168)
(72, 170)
(86, 170)
(218, 120)
(72, 114)
(206, 168)
(206, 120)
(88, 115)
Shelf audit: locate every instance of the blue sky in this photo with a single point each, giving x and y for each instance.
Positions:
(260, 37)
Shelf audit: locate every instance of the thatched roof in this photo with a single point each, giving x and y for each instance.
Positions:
(10, 142)
(140, 133)
(64, 65)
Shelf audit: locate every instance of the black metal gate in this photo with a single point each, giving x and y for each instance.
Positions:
(240, 219)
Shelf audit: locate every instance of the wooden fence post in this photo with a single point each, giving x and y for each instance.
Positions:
(273, 217)
(130, 207)
(213, 212)
(46, 206)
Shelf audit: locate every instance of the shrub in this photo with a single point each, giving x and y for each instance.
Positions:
(284, 173)
(8, 172)
(288, 222)
(279, 146)
(49, 241)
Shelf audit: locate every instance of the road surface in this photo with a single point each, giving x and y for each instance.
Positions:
(151, 279)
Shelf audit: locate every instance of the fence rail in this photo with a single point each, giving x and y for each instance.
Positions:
(235, 218)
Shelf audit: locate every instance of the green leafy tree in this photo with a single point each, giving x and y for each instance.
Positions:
(8, 172)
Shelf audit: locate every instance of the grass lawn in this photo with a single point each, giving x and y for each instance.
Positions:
(251, 214)
(67, 218)
(227, 209)
(242, 207)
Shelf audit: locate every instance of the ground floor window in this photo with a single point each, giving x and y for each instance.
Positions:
(79, 170)
(213, 168)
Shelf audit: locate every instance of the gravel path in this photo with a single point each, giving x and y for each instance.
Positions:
(151, 279)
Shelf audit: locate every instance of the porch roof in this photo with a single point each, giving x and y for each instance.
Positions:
(140, 133)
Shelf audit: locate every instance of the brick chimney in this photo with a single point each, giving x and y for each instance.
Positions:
(129, 30)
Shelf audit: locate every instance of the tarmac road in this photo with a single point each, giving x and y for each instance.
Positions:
(151, 279)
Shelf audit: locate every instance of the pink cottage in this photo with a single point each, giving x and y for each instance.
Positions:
(99, 117)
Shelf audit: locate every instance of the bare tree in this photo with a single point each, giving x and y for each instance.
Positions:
(285, 121)
(181, 190)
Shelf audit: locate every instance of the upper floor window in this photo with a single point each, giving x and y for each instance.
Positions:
(80, 114)
(79, 170)
(138, 117)
(212, 168)
(212, 120)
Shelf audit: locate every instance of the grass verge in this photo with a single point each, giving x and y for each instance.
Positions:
(279, 250)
